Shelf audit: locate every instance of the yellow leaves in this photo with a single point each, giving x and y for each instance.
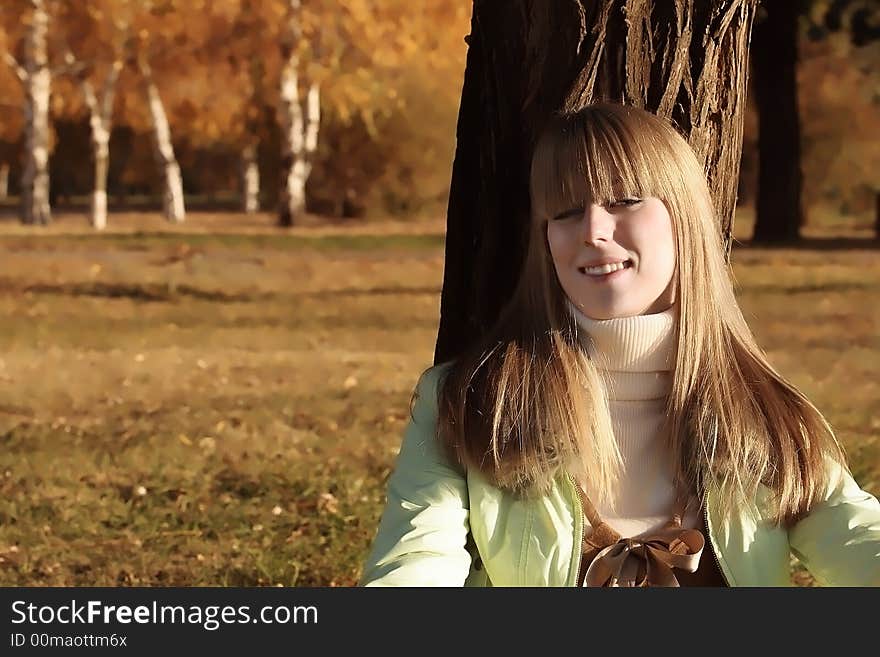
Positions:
(389, 71)
(274, 10)
(327, 503)
(10, 557)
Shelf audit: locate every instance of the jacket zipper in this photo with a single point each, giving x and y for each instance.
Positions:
(580, 543)
(711, 545)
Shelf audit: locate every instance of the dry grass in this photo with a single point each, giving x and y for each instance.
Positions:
(220, 403)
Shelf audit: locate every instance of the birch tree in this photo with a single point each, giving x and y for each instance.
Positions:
(100, 121)
(166, 39)
(299, 124)
(250, 57)
(250, 169)
(95, 33)
(324, 60)
(35, 76)
(685, 60)
(172, 195)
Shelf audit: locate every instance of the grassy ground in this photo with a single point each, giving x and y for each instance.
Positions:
(220, 403)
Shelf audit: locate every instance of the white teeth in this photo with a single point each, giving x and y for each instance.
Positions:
(601, 270)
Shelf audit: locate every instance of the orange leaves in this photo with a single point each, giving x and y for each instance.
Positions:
(356, 51)
(389, 73)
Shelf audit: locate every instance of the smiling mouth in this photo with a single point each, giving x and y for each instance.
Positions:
(604, 270)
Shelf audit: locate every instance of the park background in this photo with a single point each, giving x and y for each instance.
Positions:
(206, 383)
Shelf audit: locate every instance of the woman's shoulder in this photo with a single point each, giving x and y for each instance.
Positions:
(428, 385)
(434, 373)
(422, 446)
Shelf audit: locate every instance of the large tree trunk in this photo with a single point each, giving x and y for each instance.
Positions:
(778, 211)
(299, 133)
(683, 59)
(37, 84)
(173, 206)
(101, 122)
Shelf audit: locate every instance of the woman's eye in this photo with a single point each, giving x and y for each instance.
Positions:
(624, 202)
(568, 214)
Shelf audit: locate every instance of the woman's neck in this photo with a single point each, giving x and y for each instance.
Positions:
(638, 352)
(637, 356)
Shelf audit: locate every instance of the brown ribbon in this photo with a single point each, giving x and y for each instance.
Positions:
(644, 560)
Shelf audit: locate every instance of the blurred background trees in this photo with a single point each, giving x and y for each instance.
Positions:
(837, 76)
(233, 103)
(349, 109)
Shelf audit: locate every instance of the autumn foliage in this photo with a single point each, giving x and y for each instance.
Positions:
(389, 74)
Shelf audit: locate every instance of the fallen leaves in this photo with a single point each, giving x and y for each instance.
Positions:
(327, 503)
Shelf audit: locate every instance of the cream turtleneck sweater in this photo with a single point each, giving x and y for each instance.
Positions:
(638, 355)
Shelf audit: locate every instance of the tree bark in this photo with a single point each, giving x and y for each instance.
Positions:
(173, 205)
(685, 60)
(37, 80)
(778, 210)
(299, 131)
(101, 123)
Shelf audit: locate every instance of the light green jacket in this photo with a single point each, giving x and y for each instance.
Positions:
(441, 527)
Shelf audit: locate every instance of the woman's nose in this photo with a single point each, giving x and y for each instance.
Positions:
(598, 225)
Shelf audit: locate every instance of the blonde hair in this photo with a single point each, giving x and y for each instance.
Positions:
(527, 401)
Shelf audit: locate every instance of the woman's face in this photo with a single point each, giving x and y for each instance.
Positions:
(635, 232)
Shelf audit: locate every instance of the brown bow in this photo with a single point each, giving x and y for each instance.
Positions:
(644, 560)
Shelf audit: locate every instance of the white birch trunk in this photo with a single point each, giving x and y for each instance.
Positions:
(101, 154)
(299, 133)
(37, 81)
(4, 181)
(250, 180)
(164, 150)
(101, 122)
(292, 186)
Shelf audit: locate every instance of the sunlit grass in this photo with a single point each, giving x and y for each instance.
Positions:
(195, 410)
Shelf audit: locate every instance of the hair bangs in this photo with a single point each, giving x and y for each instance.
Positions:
(593, 158)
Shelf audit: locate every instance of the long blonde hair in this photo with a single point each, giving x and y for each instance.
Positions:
(527, 401)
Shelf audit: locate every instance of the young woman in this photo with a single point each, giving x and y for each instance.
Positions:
(619, 426)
